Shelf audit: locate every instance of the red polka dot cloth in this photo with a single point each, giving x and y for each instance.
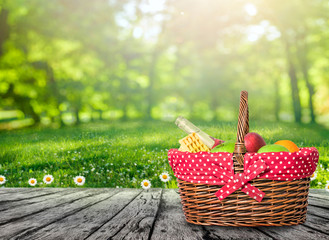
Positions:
(217, 169)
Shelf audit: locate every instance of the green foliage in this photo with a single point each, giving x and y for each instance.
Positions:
(158, 59)
(121, 154)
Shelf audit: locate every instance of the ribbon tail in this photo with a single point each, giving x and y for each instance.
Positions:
(253, 192)
(228, 189)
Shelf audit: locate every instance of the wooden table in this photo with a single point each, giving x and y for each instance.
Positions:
(81, 213)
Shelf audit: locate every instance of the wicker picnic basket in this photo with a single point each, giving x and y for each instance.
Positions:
(284, 203)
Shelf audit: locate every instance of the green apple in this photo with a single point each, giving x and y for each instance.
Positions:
(273, 148)
(227, 146)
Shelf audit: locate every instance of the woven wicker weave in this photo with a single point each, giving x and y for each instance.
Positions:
(285, 202)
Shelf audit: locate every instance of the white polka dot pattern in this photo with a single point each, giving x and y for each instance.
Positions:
(217, 168)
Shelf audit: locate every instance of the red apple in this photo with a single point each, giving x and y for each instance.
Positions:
(253, 141)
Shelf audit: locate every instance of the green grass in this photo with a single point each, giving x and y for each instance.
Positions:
(122, 154)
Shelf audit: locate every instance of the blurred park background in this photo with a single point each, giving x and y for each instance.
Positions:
(113, 64)
(64, 62)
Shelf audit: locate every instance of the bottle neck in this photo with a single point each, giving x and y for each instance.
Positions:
(189, 128)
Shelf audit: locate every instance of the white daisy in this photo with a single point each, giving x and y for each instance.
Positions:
(32, 181)
(48, 179)
(2, 179)
(79, 180)
(164, 177)
(327, 187)
(313, 176)
(146, 184)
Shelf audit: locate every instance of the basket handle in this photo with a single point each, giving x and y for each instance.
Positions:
(243, 129)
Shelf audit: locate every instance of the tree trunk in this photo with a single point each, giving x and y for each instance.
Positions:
(152, 71)
(311, 93)
(277, 99)
(53, 90)
(92, 119)
(36, 118)
(293, 83)
(22, 103)
(295, 92)
(100, 115)
(61, 122)
(77, 117)
(4, 28)
(125, 114)
(302, 57)
(149, 99)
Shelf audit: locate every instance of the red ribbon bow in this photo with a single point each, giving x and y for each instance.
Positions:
(240, 180)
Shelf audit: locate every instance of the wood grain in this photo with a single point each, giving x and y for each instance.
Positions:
(321, 193)
(5, 205)
(318, 223)
(317, 211)
(135, 221)
(299, 232)
(83, 223)
(82, 213)
(17, 212)
(23, 195)
(24, 226)
(318, 202)
(171, 220)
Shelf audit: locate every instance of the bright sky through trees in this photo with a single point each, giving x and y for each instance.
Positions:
(65, 62)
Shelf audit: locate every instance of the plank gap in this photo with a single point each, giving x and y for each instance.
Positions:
(91, 233)
(156, 216)
(41, 210)
(26, 233)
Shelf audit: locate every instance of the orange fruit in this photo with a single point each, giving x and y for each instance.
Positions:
(291, 146)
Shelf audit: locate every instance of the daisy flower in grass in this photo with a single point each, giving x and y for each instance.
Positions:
(313, 176)
(327, 187)
(164, 177)
(32, 181)
(79, 180)
(48, 179)
(2, 179)
(146, 184)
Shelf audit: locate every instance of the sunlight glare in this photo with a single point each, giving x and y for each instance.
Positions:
(153, 6)
(138, 32)
(255, 32)
(250, 9)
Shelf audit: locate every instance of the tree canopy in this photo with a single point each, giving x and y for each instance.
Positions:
(63, 61)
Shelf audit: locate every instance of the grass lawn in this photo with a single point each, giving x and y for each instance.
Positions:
(122, 154)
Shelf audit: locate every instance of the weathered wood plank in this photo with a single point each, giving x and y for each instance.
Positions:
(322, 193)
(83, 223)
(217, 232)
(4, 190)
(50, 213)
(317, 202)
(135, 221)
(27, 225)
(299, 232)
(310, 229)
(37, 199)
(320, 212)
(171, 221)
(21, 211)
(319, 196)
(318, 223)
(22, 195)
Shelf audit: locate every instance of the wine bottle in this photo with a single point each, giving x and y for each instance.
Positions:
(189, 128)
